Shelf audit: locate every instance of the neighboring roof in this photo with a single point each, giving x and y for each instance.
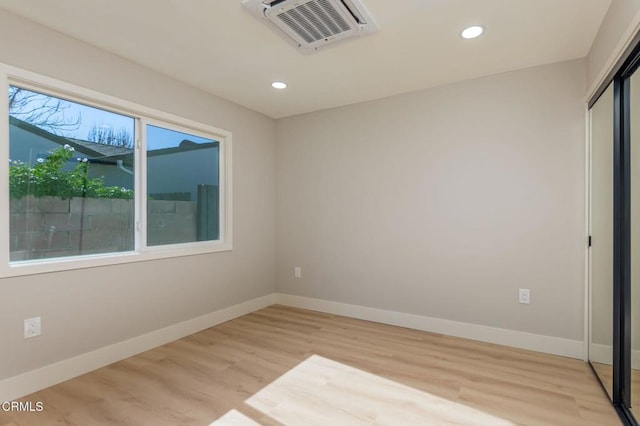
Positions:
(60, 140)
(95, 150)
(104, 149)
(184, 147)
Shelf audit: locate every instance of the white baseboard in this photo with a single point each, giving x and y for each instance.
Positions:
(34, 380)
(604, 355)
(501, 336)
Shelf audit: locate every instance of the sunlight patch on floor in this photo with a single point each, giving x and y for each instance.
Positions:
(234, 418)
(323, 392)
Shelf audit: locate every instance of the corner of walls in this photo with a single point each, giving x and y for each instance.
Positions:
(620, 25)
(442, 203)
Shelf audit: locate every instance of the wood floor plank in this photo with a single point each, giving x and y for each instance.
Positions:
(213, 374)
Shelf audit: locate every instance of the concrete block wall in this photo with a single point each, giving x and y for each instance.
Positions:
(50, 227)
(171, 222)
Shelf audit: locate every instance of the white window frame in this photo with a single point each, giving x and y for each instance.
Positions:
(143, 115)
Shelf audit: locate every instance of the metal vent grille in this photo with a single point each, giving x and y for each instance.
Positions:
(315, 20)
(310, 25)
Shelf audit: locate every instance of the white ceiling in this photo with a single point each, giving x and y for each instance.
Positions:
(217, 46)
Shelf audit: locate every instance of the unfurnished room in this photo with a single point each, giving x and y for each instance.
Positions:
(320, 212)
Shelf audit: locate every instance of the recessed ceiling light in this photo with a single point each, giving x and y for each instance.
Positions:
(279, 85)
(472, 32)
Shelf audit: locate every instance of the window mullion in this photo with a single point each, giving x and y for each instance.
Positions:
(141, 185)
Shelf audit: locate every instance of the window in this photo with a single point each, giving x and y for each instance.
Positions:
(71, 180)
(182, 187)
(95, 180)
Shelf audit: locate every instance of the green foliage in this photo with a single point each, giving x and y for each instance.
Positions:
(46, 178)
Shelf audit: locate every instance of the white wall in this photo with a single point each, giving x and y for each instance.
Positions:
(615, 31)
(443, 202)
(87, 309)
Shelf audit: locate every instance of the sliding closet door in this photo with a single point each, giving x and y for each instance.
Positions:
(634, 123)
(601, 224)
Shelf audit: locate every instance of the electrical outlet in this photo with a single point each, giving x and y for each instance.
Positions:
(524, 296)
(297, 272)
(32, 327)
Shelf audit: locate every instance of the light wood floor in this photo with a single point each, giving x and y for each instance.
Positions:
(243, 371)
(606, 376)
(605, 372)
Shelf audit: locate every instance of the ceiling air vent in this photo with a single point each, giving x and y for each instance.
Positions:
(312, 24)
